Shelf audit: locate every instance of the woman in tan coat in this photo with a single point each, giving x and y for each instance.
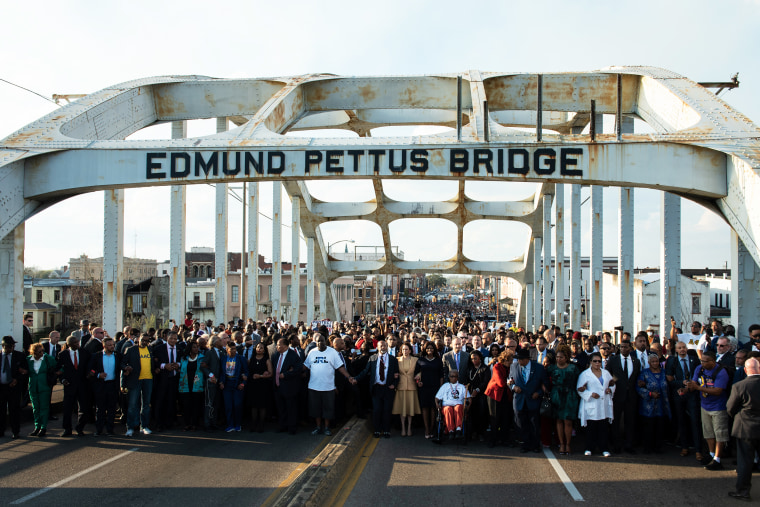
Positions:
(406, 404)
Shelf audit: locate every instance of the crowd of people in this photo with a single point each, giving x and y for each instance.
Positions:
(467, 379)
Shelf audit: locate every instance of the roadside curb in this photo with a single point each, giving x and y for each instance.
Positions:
(317, 482)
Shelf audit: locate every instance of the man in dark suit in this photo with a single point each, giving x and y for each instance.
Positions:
(382, 369)
(166, 361)
(211, 366)
(744, 405)
(526, 379)
(72, 369)
(725, 358)
(679, 368)
(13, 372)
(457, 359)
(104, 368)
(83, 333)
(52, 347)
(28, 340)
(95, 344)
(287, 383)
(625, 403)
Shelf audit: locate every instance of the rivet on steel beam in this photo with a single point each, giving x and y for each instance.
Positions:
(619, 109)
(459, 108)
(592, 124)
(486, 135)
(539, 107)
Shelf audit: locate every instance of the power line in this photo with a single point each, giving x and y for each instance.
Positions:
(30, 91)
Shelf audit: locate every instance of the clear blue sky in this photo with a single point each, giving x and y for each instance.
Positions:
(84, 46)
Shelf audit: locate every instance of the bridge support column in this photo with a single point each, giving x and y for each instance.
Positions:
(575, 257)
(547, 277)
(252, 273)
(310, 281)
(276, 249)
(596, 261)
(295, 271)
(625, 254)
(177, 216)
(12, 284)
(559, 255)
(670, 263)
(220, 243)
(113, 261)
(528, 302)
(537, 271)
(745, 289)
(322, 300)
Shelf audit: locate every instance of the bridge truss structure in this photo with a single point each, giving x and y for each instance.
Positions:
(504, 127)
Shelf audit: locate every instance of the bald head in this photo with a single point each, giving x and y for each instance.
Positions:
(752, 366)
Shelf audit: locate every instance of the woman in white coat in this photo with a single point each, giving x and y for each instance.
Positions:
(596, 388)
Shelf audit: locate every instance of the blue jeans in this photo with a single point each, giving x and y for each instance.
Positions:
(135, 416)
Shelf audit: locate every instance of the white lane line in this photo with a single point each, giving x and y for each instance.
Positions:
(563, 476)
(71, 478)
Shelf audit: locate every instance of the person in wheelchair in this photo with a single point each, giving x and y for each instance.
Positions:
(452, 399)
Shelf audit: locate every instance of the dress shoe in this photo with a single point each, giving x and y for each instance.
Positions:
(98, 434)
(714, 465)
(740, 496)
(387, 434)
(376, 434)
(42, 432)
(66, 433)
(81, 433)
(35, 432)
(15, 436)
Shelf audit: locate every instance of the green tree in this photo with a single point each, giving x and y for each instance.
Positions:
(435, 281)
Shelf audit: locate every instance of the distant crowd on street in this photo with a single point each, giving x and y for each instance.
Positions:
(467, 379)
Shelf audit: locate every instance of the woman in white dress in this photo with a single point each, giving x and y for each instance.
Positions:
(596, 388)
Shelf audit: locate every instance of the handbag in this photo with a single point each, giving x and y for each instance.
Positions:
(546, 406)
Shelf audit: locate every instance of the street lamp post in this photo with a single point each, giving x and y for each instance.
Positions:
(330, 245)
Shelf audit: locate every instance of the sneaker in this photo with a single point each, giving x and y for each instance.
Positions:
(606, 454)
(230, 429)
(714, 465)
(238, 428)
(587, 453)
(146, 431)
(317, 431)
(328, 432)
(129, 432)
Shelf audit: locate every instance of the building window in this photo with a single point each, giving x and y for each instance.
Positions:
(367, 307)
(368, 292)
(160, 301)
(270, 292)
(196, 299)
(195, 271)
(56, 296)
(209, 299)
(258, 296)
(696, 303)
(39, 296)
(235, 294)
(287, 292)
(727, 301)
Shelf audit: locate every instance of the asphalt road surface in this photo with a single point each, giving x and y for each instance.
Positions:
(198, 468)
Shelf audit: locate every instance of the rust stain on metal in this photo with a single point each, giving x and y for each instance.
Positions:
(408, 96)
(210, 99)
(367, 93)
(166, 105)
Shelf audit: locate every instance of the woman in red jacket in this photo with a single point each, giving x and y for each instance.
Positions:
(500, 399)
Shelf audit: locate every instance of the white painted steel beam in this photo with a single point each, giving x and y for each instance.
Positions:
(113, 261)
(322, 300)
(537, 283)
(670, 263)
(745, 289)
(252, 292)
(575, 257)
(177, 234)
(12, 285)
(547, 277)
(559, 255)
(528, 304)
(625, 249)
(310, 280)
(220, 243)
(295, 283)
(596, 260)
(277, 250)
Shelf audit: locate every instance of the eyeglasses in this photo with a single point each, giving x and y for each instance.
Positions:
(754, 336)
(723, 345)
(596, 361)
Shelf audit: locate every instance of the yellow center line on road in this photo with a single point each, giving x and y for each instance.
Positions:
(271, 499)
(356, 467)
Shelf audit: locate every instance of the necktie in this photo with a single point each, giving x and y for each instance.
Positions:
(525, 374)
(685, 369)
(382, 369)
(457, 359)
(76, 361)
(171, 358)
(279, 369)
(625, 366)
